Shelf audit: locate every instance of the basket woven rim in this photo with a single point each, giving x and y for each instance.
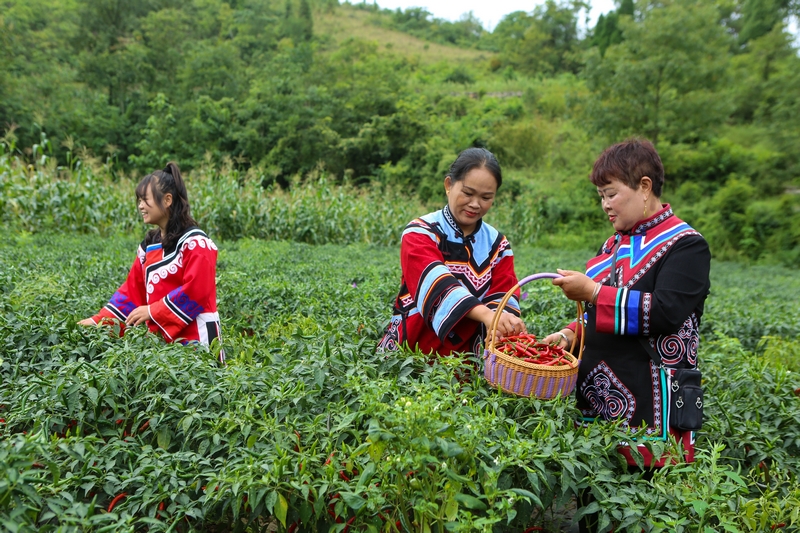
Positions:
(490, 347)
(572, 365)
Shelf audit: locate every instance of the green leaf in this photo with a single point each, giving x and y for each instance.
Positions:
(527, 494)
(470, 502)
(592, 508)
(319, 377)
(366, 475)
(281, 508)
(451, 509)
(270, 500)
(91, 392)
(164, 437)
(353, 501)
(737, 478)
(699, 507)
(346, 422)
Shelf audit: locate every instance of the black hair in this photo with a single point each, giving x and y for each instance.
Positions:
(179, 218)
(628, 162)
(473, 158)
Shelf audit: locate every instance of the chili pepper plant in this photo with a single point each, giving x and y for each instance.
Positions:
(307, 428)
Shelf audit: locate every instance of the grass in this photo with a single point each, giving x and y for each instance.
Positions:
(347, 22)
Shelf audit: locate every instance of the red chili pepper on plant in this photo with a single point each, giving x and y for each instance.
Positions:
(115, 501)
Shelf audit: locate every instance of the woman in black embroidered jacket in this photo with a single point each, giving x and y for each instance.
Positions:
(645, 292)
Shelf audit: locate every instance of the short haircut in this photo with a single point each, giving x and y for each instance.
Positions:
(628, 162)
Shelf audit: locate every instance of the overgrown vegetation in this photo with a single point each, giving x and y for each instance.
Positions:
(308, 429)
(278, 91)
(307, 151)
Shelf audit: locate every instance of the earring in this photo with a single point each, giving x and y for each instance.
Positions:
(644, 214)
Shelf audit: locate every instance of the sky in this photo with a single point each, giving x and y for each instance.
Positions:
(489, 12)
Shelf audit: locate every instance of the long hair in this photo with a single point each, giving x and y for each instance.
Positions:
(179, 217)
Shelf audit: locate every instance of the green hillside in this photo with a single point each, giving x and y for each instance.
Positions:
(280, 91)
(345, 22)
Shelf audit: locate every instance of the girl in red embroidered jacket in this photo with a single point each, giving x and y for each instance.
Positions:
(171, 286)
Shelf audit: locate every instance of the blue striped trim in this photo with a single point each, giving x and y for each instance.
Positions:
(512, 302)
(426, 284)
(508, 252)
(448, 305)
(640, 250)
(421, 231)
(639, 247)
(664, 409)
(632, 312)
(151, 247)
(605, 264)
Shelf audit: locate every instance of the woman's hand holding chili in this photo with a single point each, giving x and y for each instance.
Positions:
(508, 324)
(562, 339)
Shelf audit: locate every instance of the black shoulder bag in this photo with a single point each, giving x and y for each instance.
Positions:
(686, 394)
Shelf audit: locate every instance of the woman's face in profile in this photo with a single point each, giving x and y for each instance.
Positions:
(623, 205)
(470, 198)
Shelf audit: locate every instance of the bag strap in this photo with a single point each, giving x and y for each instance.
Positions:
(613, 282)
(650, 351)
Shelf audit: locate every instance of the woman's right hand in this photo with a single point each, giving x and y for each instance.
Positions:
(561, 338)
(507, 325)
(86, 322)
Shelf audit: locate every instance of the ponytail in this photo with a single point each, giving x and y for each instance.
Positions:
(168, 181)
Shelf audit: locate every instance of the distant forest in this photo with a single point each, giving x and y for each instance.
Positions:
(281, 88)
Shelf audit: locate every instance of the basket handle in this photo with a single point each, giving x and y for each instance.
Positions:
(510, 293)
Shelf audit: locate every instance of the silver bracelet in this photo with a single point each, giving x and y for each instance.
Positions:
(563, 337)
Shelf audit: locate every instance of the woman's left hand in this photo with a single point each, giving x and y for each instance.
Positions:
(138, 316)
(577, 286)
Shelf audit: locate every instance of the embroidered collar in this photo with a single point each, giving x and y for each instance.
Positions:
(640, 227)
(448, 216)
(653, 221)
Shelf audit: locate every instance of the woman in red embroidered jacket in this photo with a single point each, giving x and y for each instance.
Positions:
(171, 286)
(645, 292)
(455, 267)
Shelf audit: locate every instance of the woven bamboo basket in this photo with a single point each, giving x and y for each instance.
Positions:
(511, 374)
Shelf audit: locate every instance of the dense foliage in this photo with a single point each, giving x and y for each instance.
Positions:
(277, 90)
(307, 149)
(308, 429)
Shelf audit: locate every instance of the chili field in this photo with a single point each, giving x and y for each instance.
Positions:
(308, 429)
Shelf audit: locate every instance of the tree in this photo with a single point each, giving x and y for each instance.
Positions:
(607, 32)
(759, 17)
(111, 56)
(661, 80)
(543, 42)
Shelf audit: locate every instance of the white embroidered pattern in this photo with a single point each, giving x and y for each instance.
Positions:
(176, 263)
(607, 395)
(682, 345)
